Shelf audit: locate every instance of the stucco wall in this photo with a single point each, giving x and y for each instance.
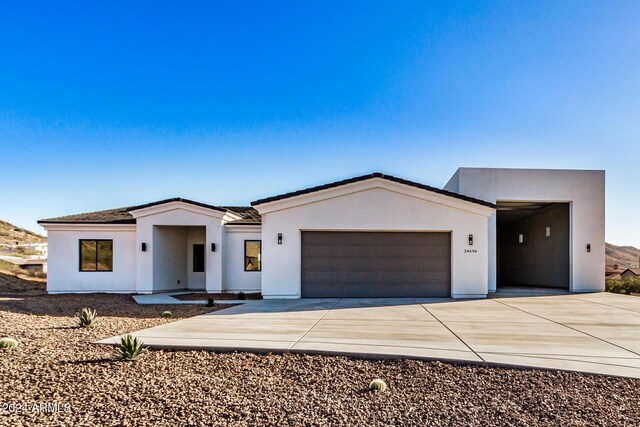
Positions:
(63, 264)
(373, 205)
(583, 189)
(236, 279)
(169, 258)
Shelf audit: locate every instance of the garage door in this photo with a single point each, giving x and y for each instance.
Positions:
(375, 264)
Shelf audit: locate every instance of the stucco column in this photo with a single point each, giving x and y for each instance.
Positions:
(213, 260)
(144, 260)
(493, 253)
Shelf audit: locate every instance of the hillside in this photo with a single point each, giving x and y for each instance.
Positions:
(624, 256)
(10, 234)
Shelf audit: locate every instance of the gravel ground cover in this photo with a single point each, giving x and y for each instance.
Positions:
(56, 363)
(217, 296)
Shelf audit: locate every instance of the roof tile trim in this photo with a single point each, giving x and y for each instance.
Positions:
(370, 176)
(123, 216)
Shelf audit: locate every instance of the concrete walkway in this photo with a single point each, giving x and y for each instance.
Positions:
(598, 333)
(167, 298)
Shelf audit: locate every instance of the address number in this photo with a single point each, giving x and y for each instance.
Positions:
(470, 251)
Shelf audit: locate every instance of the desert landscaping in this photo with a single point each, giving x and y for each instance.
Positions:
(57, 362)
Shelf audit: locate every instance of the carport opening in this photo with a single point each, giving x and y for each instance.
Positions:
(533, 244)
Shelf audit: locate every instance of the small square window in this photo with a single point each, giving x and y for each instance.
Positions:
(252, 255)
(547, 232)
(96, 255)
(520, 238)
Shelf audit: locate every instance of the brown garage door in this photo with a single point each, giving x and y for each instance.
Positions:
(375, 264)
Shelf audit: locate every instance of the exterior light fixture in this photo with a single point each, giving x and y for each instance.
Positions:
(279, 238)
(144, 247)
(588, 247)
(520, 238)
(213, 247)
(470, 239)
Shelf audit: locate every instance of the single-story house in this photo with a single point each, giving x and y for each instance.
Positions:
(35, 265)
(630, 273)
(370, 236)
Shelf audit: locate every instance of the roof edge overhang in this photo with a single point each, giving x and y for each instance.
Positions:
(84, 226)
(367, 177)
(325, 191)
(178, 200)
(44, 222)
(179, 203)
(376, 183)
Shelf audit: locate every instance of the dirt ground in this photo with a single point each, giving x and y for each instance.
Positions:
(57, 363)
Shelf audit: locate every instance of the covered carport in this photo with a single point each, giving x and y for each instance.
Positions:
(533, 246)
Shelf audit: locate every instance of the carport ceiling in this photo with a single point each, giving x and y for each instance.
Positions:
(513, 211)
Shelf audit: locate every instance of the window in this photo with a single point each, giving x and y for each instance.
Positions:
(96, 255)
(252, 255)
(198, 258)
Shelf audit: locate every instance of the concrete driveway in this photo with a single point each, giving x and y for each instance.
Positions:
(598, 333)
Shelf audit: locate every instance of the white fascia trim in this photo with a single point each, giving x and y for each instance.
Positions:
(464, 168)
(170, 206)
(89, 227)
(230, 228)
(370, 184)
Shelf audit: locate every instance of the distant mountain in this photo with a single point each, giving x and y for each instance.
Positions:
(624, 256)
(12, 234)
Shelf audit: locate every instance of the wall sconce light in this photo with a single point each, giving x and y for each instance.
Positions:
(213, 247)
(588, 247)
(279, 238)
(470, 239)
(520, 238)
(144, 247)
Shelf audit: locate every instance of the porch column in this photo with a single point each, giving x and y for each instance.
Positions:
(144, 260)
(213, 259)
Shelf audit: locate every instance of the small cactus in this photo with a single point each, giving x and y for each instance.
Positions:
(86, 318)
(8, 342)
(166, 314)
(210, 302)
(130, 348)
(378, 385)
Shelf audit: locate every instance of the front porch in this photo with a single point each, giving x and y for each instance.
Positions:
(179, 247)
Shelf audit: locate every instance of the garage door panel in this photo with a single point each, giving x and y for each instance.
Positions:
(430, 264)
(359, 276)
(319, 251)
(432, 276)
(322, 262)
(376, 264)
(359, 290)
(321, 277)
(394, 277)
(360, 250)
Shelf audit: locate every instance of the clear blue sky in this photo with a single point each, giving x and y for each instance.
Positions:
(116, 103)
